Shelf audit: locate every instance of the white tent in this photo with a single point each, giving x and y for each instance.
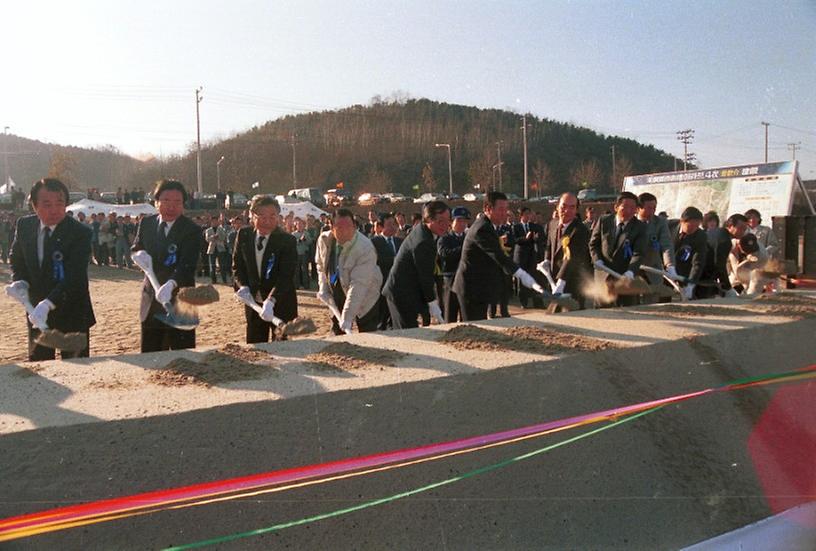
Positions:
(9, 186)
(301, 209)
(89, 207)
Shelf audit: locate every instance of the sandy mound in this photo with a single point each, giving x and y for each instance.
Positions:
(346, 356)
(227, 364)
(694, 311)
(199, 296)
(521, 339)
(788, 304)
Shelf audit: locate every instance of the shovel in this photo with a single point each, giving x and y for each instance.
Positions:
(172, 316)
(626, 286)
(49, 338)
(562, 302)
(672, 280)
(298, 326)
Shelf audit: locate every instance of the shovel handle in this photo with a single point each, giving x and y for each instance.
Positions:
(24, 300)
(609, 271)
(255, 306)
(663, 273)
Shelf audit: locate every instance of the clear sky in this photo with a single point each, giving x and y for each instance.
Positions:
(124, 72)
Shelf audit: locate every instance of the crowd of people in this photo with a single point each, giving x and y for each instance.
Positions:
(374, 274)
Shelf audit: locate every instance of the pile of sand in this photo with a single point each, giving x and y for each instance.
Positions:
(342, 356)
(521, 339)
(788, 304)
(199, 296)
(227, 364)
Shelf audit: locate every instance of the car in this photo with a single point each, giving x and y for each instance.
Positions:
(108, 197)
(369, 199)
(427, 197)
(513, 197)
(453, 197)
(395, 197)
(239, 201)
(474, 197)
(311, 194)
(74, 196)
(338, 198)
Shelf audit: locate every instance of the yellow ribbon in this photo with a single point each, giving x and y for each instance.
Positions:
(565, 241)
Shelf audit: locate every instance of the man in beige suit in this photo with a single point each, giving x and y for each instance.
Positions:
(348, 277)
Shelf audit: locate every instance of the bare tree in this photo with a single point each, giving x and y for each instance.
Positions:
(586, 175)
(480, 172)
(63, 167)
(376, 181)
(428, 180)
(623, 168)
(542, 177)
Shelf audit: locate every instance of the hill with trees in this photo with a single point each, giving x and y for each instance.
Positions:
(386, 146)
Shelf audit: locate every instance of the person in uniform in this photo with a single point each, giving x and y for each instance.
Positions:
(49, 264)
(263, 267)
(568, 249)
(410, 288)
(526, 235)
(485, 264)
(173, 242)
(349, 279)
(618, 242)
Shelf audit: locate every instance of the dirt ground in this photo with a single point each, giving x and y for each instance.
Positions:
(115, 295)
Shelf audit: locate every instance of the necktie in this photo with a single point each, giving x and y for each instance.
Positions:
(163, 230)
(261, 239)
(46, 250)
(620, 230)
(526, 230)
(393, 246)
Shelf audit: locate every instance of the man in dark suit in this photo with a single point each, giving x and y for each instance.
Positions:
(410, 288)
(568, 249)
(526, 235)
(49, 263)
(484, 264)
(387, 245)
(449, 250)
(619, 241)
(173, 242)
(690, 249)
(264, 264)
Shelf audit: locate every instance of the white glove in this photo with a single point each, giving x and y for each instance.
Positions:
(245, 293)
(543, 266)
(599, 264)
(672, 272)
(268, 311)
(525, 279)
(324, 294)
(39, 317)
(165, 293)
(688, 291)
(435, 311)
(345, 326)
(628, 274)
(538, 288)
(142, 259)
(559, 287)
(731, 293)
(18, 290)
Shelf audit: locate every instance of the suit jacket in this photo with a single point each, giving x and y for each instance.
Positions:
(690, 253)
(578, 267)
(717, 253)
(622, 253)
(483, 265)
(277, 277)
(524, 250)
(411, 279)
(360, 277)
(71, 240)
(385, 254)
(449, 249)
(174, 256)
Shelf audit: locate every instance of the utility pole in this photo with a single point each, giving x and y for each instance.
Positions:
(450, 167)
(499, 164)
(793, 147)
(294, 162)
(199, 97)
(691, 158)
(6, 154)
(524, 137)
(766, 125)
(685, 136)
(614, 177)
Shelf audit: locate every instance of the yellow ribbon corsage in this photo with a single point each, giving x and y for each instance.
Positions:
(565, 241)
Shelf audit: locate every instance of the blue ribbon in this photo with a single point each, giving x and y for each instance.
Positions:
(58, 268)
(655, 243)
(171, 255)
(627, 250)
(269, 265)
(685, 253)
